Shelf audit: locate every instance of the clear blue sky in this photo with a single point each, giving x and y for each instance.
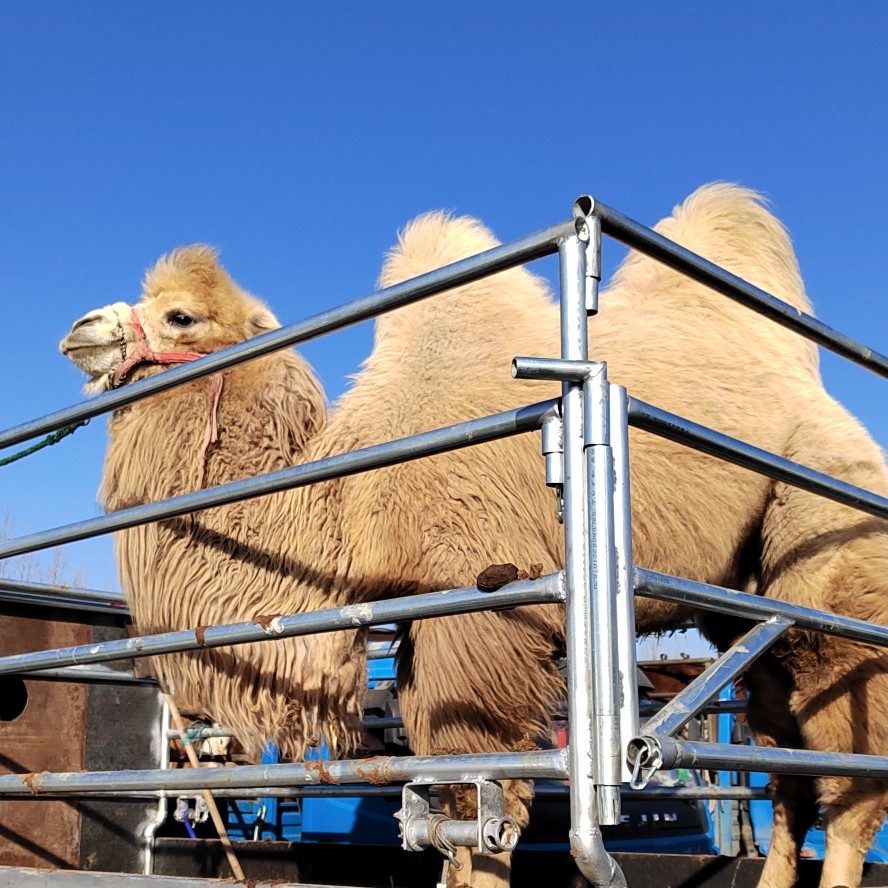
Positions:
(299, 137)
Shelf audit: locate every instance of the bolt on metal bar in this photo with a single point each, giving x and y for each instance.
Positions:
(518, 252)
(415, 607)
(63, 597)
(753, 607)
(549, 764)
(475, 431)
(692, 699)
(641, 238)
(676, 428)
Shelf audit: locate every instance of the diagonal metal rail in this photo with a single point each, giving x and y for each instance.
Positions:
(717, 675)
(640, 237)
(518, 252)
(754, 607)
(684, 431)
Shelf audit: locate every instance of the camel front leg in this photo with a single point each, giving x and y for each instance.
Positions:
(769, 686)
(479, 870)
(488, 699)
(850, 831)
(843, 708)
(794, 810)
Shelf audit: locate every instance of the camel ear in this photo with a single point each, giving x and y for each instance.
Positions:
(261, 321)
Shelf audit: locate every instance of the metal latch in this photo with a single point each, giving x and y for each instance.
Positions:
(489, 833)
(198, 812)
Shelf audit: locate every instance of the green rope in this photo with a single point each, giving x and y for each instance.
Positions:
(194, 733)
(54, 438)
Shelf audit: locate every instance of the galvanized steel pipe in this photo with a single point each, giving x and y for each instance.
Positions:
(642, 238)
(464, 434)
(728, 757)
(586, 839)
(754, 607)
(676, 428)
(415, 607)
(550, 764)
(526, 249)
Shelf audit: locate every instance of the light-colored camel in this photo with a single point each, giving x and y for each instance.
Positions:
(482, 682)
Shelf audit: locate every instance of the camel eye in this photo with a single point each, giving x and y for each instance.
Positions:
(180, 319)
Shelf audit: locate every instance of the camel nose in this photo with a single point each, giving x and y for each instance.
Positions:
(86, 320)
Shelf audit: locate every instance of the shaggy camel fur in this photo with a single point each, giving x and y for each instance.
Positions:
(486, 681)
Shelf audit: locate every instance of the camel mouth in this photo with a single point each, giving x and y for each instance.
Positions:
(68, 349)
(79, 339)
(89, 354)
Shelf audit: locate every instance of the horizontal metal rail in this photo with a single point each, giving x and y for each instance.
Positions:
(414, 607)
(90, 674)
(518, 252)
(27, 877)
(374, 723)
(464, 434)
(549, 764)
(684, 431)
(729, 757)
(62, 597)
(640, 237)
(382, 650)
(676, 428)
(543, 791)
(754, 607)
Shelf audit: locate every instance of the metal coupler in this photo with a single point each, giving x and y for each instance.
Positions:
(490, 833)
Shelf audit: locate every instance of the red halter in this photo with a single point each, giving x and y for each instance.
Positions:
(144, 354)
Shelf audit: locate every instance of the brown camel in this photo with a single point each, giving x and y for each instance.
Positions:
(484, 682)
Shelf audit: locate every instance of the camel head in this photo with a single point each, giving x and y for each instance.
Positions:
(190, 306)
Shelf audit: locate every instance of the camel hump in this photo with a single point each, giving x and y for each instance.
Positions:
(724, 207)
(431, 241)
(733, 226)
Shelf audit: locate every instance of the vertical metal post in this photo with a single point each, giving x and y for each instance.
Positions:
(602, 563)
(150, 834)
(626, 659)
(585, 833)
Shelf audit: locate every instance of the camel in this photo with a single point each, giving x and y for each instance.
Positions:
(485, 682)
